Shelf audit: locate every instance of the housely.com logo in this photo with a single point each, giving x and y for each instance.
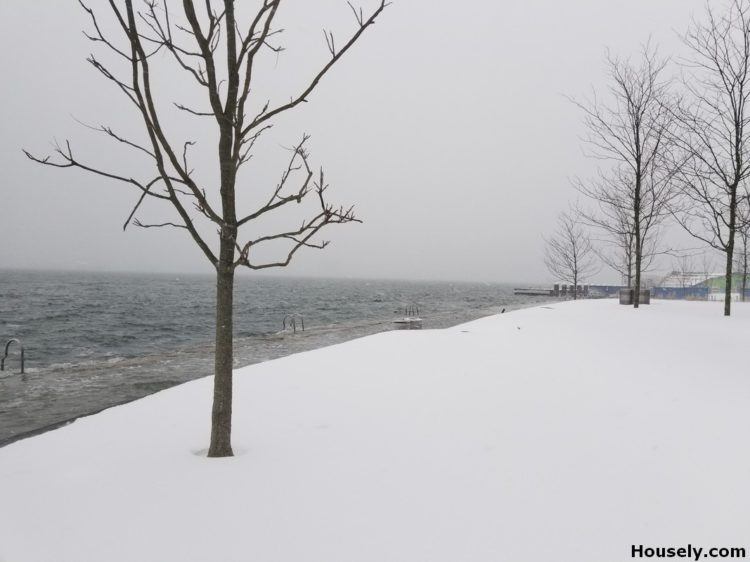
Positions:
(689, 551)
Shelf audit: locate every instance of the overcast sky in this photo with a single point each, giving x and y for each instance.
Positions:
(446, 126)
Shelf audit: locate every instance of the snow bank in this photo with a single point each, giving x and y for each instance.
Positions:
(565, 432)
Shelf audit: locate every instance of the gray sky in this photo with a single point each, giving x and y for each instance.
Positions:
(446, 126)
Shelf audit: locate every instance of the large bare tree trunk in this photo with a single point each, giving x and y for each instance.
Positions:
(637, 228)
(221, 413)
(728, 284)
(730, 252)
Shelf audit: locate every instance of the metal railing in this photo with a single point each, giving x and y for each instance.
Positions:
(292, 320)
(411, 310)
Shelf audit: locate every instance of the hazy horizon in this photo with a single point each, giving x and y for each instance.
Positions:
(244, 274)
(450, 133)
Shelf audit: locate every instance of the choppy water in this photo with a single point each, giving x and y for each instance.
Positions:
(95, 340)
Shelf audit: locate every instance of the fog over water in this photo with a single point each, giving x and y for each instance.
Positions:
(446, 126)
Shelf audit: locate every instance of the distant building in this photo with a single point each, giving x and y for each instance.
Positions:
(680, 279)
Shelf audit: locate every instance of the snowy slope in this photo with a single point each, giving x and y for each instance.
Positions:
(568, 432)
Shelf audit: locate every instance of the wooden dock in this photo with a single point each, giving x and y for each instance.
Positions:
(533, 292)
(557, 290)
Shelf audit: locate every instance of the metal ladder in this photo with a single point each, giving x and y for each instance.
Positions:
(5, 356)
(292, 318)
(411, 310)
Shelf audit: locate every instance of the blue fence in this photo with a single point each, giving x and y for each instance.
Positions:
(696, 293)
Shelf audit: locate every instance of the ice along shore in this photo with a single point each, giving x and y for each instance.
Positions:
(570, 431)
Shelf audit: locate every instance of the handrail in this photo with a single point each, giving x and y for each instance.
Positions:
(7, 345)
(293, 322)
(411, 310)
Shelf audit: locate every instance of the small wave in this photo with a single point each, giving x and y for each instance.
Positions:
(57, 367)
(86, 364)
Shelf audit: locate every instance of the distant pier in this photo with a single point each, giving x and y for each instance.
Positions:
(533, 292)
(557, 290)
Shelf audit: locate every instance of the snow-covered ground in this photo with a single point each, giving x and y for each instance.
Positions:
(565, 432)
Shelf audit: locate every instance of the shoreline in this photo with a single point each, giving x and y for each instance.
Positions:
(304, 342)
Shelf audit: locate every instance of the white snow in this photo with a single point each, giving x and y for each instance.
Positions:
(567, 432)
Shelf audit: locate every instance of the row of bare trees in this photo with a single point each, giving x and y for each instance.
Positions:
(686, 158)
(671, 153)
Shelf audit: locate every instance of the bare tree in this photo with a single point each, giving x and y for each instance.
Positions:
(631, 131)
(612, 218)
(569, 255)
(684, 267)
(713, 131)
(707, 268)
(221, 56)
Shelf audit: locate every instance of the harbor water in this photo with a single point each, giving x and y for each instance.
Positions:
(93, 340)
